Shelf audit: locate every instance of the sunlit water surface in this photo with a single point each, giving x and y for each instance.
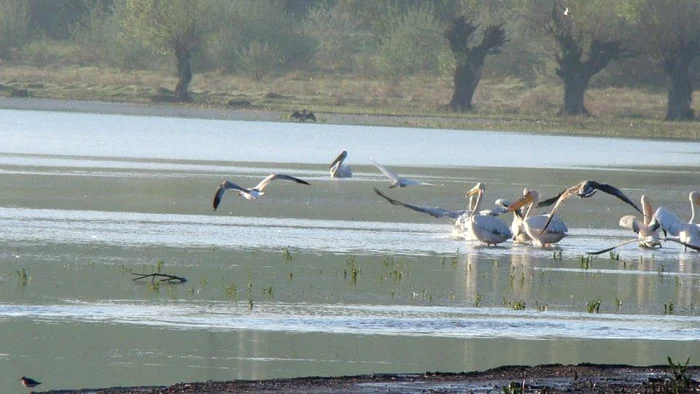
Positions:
(327, 279)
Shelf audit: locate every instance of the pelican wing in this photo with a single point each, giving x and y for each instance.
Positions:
(435, 212)
(587, 189)
(611, 248)
(669, 221)
(387, 171)
(339, 160)
(225, 185)
(550, 201)
(689, 246)
(630, 222)
(260, 186)
(604, 187)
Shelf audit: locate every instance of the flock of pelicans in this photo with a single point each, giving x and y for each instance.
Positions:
(540, 230)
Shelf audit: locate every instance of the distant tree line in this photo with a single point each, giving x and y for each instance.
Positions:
(635, 43)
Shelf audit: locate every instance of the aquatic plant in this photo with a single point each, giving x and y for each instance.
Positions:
(514, 388)
(519, 305)
(614, 256)
(541, 307)
(681, 378)
(159, 265)
(585, 261)
(23, 277)
(618, 302)
(477, 300)
(593, 306)
(231, 290)
(556, 255)
(287, 253)
(669, 308)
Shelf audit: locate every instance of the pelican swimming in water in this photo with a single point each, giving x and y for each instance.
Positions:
(534, 225)
(486, 228)
(396, 180)
(338, 169)
(647, 229)
(688, 234)
(252, 193)
(586, 189)
(460, 216)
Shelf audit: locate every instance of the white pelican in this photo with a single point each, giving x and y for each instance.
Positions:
(338, 169)
(253, 193)
(688, 233)
(587, 189)
(535, 225)
(647, 229)
(486, 228)
(396, 180)
(435, 212)
(460, 216)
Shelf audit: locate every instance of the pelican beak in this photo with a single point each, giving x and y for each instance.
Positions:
(519, 203)
(474, 191)
(696, 199)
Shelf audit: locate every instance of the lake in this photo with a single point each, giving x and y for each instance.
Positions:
(327, 279)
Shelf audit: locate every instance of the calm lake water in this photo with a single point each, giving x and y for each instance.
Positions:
(320, 280)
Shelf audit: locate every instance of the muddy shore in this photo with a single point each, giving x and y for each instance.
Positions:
(582, 378)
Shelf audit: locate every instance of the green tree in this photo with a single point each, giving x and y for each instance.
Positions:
(671, 36)
(178, 26)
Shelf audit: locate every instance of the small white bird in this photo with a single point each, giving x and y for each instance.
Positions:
(253, 193)
(396, 180)
(338, 169)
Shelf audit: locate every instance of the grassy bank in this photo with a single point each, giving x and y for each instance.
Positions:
(412, 102)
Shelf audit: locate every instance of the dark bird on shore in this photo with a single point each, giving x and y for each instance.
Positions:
(303, 116)
(252, 193)
(29, 382)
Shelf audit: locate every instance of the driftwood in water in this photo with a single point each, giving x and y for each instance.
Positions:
(162, 277)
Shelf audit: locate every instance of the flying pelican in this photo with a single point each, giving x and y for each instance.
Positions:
(534, 226)
(586, 189)
(647, 229)
(486, 228)
(688, 233)
(338, 169)
(253, 193)
(396, 180)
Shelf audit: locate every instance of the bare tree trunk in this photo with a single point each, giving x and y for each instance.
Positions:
(470, 61)
(574, 90)
(184, 74)
(680, 94)
(465, 82)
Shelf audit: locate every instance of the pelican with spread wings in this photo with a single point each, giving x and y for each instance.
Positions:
(396, 180)
(686, 234)
(647, 229)
(254, 192)
(586, 189)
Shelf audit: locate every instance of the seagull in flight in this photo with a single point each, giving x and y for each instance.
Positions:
(252, 193)
(396, 180)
